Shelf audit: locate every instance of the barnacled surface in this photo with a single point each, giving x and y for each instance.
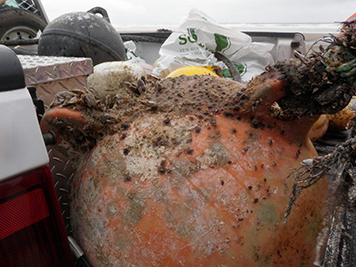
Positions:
(203, 96)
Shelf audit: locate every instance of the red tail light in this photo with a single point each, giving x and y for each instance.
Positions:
(32, 231)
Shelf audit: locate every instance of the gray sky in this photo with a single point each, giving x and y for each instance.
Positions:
(161, 12)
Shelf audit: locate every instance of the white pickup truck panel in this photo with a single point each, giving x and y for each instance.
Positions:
(21, 143)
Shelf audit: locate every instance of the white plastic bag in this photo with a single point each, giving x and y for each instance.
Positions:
(130, 48)
(131, 56)
(199, 36)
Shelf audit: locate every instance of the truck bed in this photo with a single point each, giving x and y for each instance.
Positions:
(50, 75)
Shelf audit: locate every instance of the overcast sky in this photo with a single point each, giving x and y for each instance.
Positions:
(160, 12)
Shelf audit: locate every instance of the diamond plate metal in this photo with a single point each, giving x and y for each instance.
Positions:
(62, 173)
(44, 69)
(51, 75)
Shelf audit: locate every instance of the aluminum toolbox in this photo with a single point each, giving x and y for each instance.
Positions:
(51, 75)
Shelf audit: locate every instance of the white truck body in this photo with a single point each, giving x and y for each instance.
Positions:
(21, 144)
